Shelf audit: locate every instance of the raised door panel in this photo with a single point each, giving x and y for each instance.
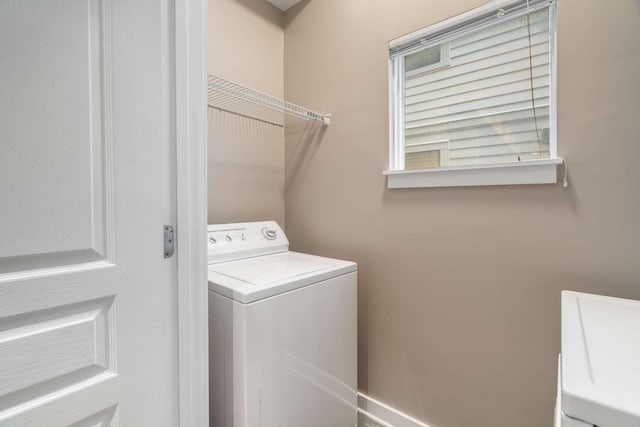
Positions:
(49, 350)
(84, 409)
(55, 128)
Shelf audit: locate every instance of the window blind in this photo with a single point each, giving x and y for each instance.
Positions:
(459, 25)
(490, 101)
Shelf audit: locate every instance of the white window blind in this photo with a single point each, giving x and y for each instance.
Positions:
(475, 93)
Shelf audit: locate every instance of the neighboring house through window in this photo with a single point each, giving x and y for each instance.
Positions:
(475, 90)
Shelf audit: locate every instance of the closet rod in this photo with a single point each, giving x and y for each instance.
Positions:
(222, 86)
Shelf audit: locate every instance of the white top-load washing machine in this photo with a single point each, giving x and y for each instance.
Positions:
(599, 364)
(282, 332)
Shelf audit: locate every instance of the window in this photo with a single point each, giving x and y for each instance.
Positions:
(476, 93)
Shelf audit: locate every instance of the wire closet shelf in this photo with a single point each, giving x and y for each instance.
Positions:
(231, 97)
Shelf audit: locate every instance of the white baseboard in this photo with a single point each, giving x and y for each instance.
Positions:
(376, 414)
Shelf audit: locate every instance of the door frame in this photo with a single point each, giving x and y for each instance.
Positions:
(191, 198)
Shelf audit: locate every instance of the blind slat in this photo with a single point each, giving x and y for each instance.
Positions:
(442, 108)
(488, 109)
(520, 131)
(481, 88)
(493, 119)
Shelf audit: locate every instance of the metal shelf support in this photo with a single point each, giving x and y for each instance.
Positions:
(229, 96)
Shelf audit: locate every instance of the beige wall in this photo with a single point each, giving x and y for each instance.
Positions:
(246, 157)
(459, 289)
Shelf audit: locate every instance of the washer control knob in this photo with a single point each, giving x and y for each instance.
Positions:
(269, 233)
(212, 240)
(243, 237)
(227, 238)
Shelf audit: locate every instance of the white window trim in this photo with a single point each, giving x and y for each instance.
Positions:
(543, 171)
(512, 173)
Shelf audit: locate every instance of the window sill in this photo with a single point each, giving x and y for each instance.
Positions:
(515, 173)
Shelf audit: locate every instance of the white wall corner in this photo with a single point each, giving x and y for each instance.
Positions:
(373, 413)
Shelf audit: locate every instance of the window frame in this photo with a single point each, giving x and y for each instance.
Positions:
(508, 173)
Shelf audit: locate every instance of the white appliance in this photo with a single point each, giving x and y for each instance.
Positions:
(599, 367)
(282, 332)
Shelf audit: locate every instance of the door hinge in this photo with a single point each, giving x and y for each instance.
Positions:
(169, 241)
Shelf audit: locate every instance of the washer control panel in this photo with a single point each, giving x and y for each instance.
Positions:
(227, 242)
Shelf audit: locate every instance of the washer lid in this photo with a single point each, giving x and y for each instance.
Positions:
(251, 279)
(601, 359)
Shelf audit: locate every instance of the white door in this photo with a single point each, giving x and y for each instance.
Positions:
(88, 315)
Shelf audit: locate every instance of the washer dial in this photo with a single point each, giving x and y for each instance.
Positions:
(269, 233)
